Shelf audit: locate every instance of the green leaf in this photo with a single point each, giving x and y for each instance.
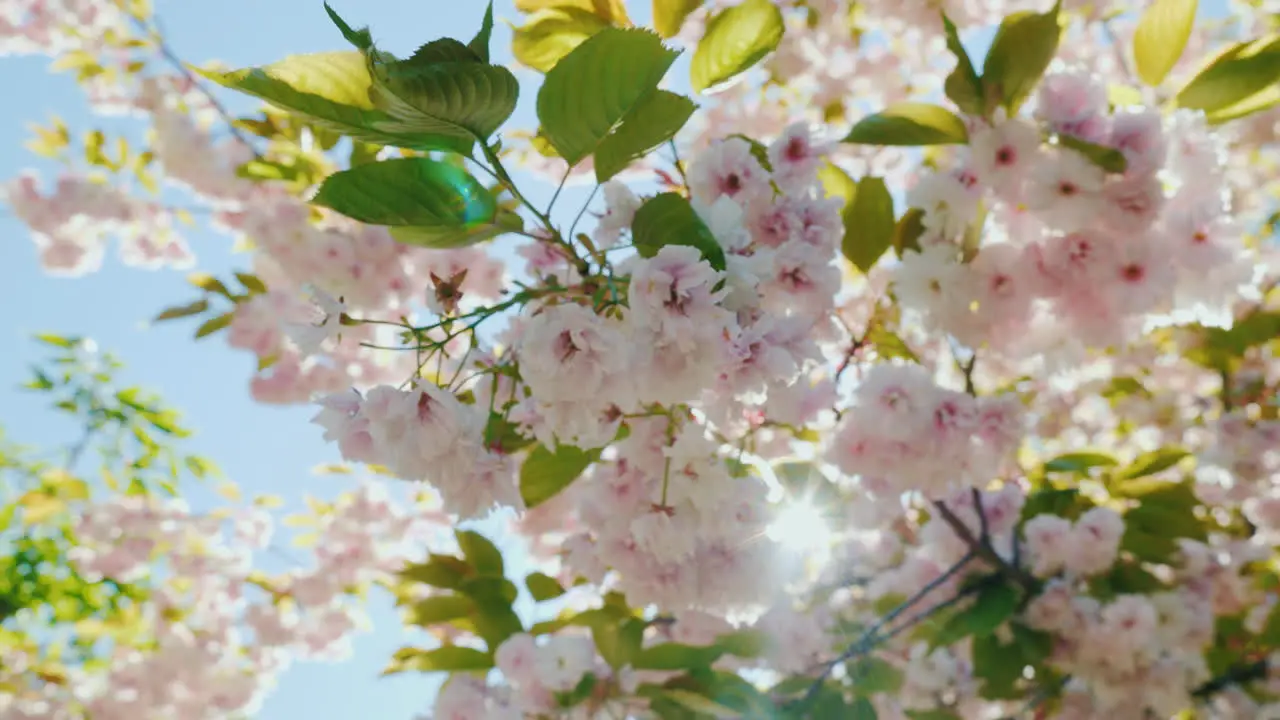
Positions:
(868, 224)
(483, 555)
(438, 238)
(619, 643)
(504, 436)
(656, 119)
(442, 571)
(999, 666)
(993, 606)
(330, 90)
(595, 86)
(449, 658)
(543, 587)
(873, 675)
(251, 282)
(429, 96)
(936, 714)
(675, 656)
(550, 34)
(861, 709)
(836, 182)
(889, 345)
(214, 324)
(500, 590)
(1245, 70)
(268, 170)
(359, 38)
(1153, 462)
(495, 620)
(436, 202)
(1053, 501)
(963, 86)
(743, 643)
(66, 343)
(181, 311)
(669, 219)
(1109, 159)
(210, 284)
(1024, 45)
(906, 234)
(545, 473)
(1161, 36)
(701, 706)
(440, 609)
(1080, 462)
(480, 43)
(669, 15)
(758, 150)
(909, 123)
(735, 39)
(1165, 513)
(1258, 102)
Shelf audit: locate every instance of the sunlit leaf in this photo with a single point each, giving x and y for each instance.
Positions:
(595, 86)
(669, 15)
(735, 39)
(653, 121)
(1161, 36)
(909, 123)
(1024, 45)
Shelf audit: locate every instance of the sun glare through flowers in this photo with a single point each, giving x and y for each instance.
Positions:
(801, 526)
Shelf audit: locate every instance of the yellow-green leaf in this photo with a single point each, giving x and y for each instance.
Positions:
(868, 224)
(909, 123)
(1021, 51)
(213, 325)
(329, 89)
(1235, 77)
(550, 34)
(449, 658)
(182, 311)
(38, 507)
(735, 39)
(669, 15)
(1161, 37)
(543, 587)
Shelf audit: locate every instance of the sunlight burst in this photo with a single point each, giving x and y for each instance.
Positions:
(801, 526)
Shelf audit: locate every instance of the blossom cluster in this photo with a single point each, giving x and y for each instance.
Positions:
(1070, 249)
(219, 630)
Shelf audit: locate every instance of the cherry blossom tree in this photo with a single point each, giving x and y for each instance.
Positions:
(879, 377)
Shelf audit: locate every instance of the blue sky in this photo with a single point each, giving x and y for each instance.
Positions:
(266, 449)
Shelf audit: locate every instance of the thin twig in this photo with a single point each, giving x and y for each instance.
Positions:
(983, 548)
(583, 211)
(871, 636)
(675, 154)
(156, 32)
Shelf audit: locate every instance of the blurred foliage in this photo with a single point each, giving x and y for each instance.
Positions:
(127, 442)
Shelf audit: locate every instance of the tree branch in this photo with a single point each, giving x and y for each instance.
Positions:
(871, 637)
(156, 34)
(983, 549)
